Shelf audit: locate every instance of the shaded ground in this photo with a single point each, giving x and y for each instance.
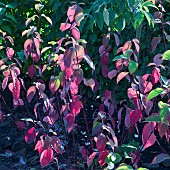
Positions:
(15, 154)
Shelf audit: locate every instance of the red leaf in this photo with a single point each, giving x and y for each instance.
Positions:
(101, 142)
(73, 88)
(4, 83)
(107, 94)
(150, 141)
(70, 119)
(112, 74)
(126, 47)
(64, 26)
(148, 86)
(102, 157)
(119, 65)
(31, 71)
(15, 89)
(30, 135)
(9, 52)
(90, 159)
(121, 76)
(46, 157)
(155, 42)
(20, 124)
(148, 137)
(30, 93)
(76, 106)
(155, 75)
(160, 158)
(71, 13)
(135, 115)
(76, 33)
(39, 145)
(132, 93)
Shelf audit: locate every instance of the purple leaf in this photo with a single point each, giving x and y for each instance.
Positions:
(112, 74)
(155, 42)
(160, 158)
(9, 52)
(117, 39)
(30, 93)
(31, 71)
(158, 59)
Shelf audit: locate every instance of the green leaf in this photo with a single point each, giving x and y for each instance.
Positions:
(21, 55)
(124, 167)
(119, 57)
(11, 17)
(99, 20)
(118, 158)
(10, 6)
(163, 114)
(82, 41)
(162, 105)
(56, 5)
(155, 93)
(142, 168)
(6, 28)
(111, 16)
(91, 22)
(27, 119)
(166, 55)
(150, 4)
(2, 10)
(47, 18)
(157, 119)
(153, 119)
(132, 66)
(149, 18)
(121, 23)
(96, 128)
(138, 16)
(165, 80)
(106, 16)
(128, 146)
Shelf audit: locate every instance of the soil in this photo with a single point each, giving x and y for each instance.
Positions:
(16, 154)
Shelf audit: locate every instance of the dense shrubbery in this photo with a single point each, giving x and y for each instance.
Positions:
(113, 52)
